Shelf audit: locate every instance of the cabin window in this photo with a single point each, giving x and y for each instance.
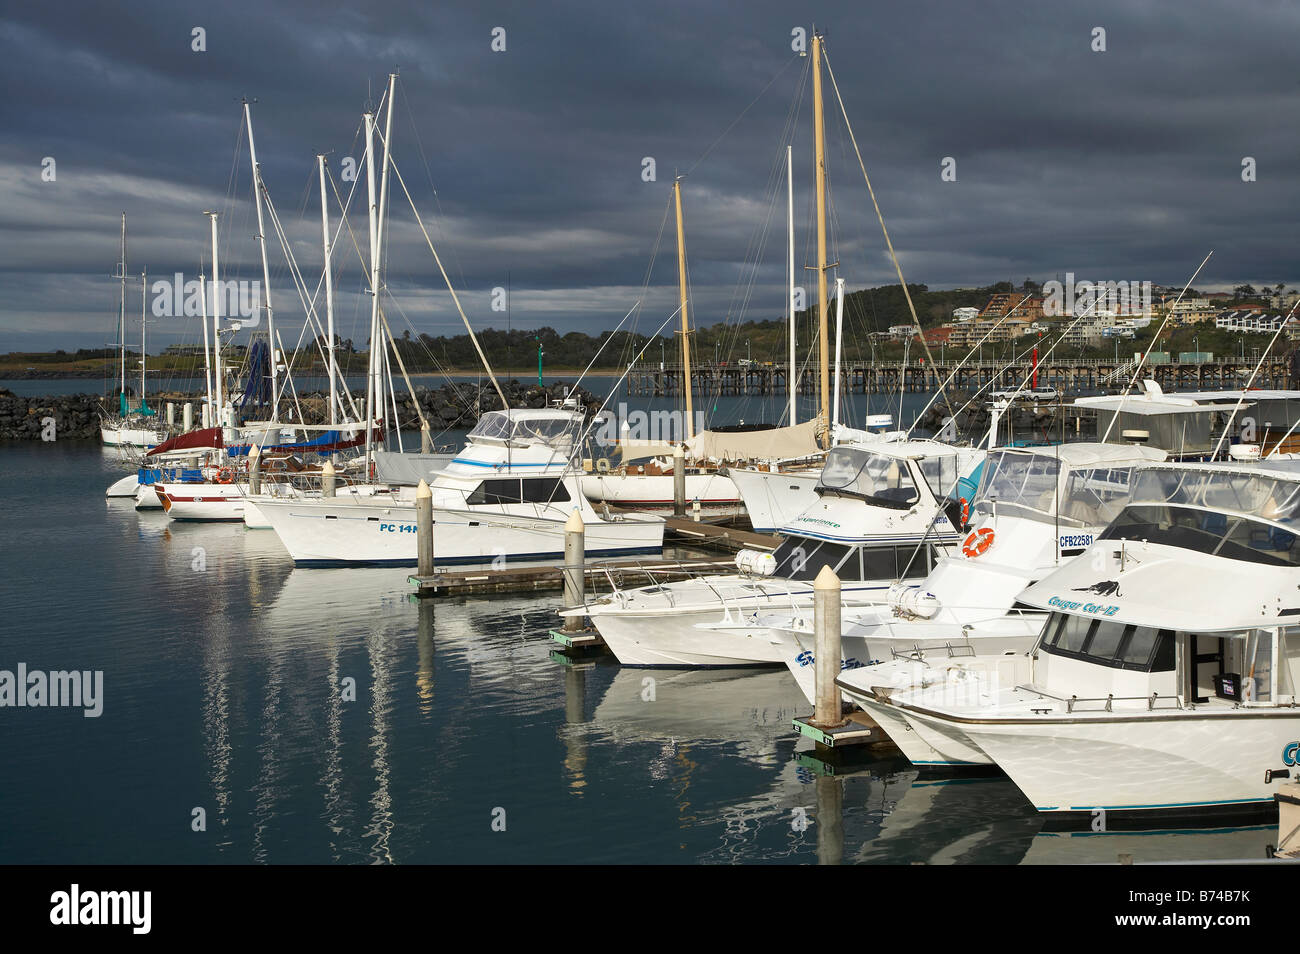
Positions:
(1018, 483)
(1106, 643)
(495, 492)
(940, 473)
(1229, 536)
(545, 490)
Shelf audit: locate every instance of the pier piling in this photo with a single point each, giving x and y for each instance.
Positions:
(679, 481)
(423, 529)
(254, 470)
(575, 577)
(327, 480)
(826, 632)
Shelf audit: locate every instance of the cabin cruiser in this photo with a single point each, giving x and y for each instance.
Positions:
(878, 517)
(1165, 677)
(1036, 508)
(778, 491)
(505, 495)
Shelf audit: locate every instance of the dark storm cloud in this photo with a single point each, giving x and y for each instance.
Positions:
(1122, 164)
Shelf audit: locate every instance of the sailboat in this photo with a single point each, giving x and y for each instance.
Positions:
(138, 426)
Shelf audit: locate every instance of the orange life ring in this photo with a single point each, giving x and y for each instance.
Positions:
(965, 511)
(978, 541)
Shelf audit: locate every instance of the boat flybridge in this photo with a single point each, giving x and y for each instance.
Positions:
(1191, 425)
(1165, 678)
(878, 516)
(507, 494)
(1036, 508)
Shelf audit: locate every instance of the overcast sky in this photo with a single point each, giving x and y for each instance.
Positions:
(1120, 164)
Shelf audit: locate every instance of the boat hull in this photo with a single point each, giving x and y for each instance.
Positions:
(707, 622)
(772, 500)
(639, 490)
(1144, 763)
(201, 502)
(355, 532)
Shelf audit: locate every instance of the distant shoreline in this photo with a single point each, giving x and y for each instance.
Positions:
(8, 374)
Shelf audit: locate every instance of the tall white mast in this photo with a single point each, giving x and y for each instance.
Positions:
(376, 256)
(121, 337)
(144, 294)
(839, 339)
(217, 397)
(266, 268)
(374, 315)
(207, 346)
(791, 375)
(329, 288)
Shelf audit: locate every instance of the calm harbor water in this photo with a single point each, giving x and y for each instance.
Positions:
(223, 673)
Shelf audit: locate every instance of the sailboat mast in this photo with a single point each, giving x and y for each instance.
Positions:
(381, 229)
(839, 341)
(374, 293)
(218, 398)
(144, 295)
(791, 374)
(819, 147)
(207, 346)
(266, 268)
(329, 289)
(686, 323)
(121, 335)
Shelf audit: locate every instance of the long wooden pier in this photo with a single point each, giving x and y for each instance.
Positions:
(599, 575)
(863, 377)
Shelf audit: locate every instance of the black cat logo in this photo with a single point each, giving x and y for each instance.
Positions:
(1106, 588)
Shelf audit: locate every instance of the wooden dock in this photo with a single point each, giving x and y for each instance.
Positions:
(716, 536)
(860, 729)
(540, 579)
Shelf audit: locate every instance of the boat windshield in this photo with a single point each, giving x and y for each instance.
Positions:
(1021, 484)
(498, 426)
(940, 473)
(875, 478)
(1227, 535)
(1095, 495)
(494, 425)
(552, 431)
(1261, 495)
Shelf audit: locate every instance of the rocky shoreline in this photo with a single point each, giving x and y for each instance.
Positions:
(450, 407)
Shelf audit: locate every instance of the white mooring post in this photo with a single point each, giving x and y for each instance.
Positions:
(424, 529)
(327, 480)
(171, 414)
(679, 481)
(254, 470)
(575, 561)
(187, 416)
(826, 629)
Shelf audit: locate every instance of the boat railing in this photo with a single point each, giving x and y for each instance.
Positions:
(1106, 703)
(917, 654)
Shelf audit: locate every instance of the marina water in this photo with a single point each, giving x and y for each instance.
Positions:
(305, 715)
